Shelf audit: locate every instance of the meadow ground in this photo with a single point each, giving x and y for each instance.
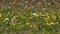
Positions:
(29, 17)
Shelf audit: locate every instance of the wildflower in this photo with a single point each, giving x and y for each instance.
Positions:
(52, 23)
(35, 14)
(42, 15)
(27, 23)
(12, 23)
(12, 19)
(48, 24)
(54, 16)
(48, 17)
(31, 26)
(46, 20)
(6, 18)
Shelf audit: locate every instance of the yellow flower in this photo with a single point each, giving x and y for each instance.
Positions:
(46, 20)
(36, 14)
(54, 16)
(12, 23)
(52, 23)
(31, 26)
(6, 18)
(48, 24)
(27, 23)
